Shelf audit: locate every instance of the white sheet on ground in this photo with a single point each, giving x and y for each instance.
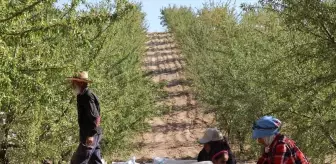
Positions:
(158, 160)
(131, 161)
(204, 162)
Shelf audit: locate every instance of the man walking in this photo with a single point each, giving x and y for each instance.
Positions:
(88, 151)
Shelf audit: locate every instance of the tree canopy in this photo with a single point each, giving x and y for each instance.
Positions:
(41, 45)
(274, 58)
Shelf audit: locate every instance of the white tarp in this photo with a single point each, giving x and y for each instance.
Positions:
(158, 160)
(131, 161)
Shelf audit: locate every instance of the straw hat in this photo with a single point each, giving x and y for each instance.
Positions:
(82, 76)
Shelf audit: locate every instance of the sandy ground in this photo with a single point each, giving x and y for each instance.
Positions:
(173, 135)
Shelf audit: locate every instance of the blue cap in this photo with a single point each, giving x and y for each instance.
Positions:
(266, 126)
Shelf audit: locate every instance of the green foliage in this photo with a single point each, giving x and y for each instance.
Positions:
(40, 45)
(273, 59)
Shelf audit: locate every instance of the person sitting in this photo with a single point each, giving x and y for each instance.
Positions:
(214, 142)
(279, 149)
(221, 157)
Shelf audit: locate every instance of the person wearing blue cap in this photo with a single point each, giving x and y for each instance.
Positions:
(279, 149)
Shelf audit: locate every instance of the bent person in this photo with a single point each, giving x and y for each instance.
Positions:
(88, 109)
(214, 142)
(279, 149)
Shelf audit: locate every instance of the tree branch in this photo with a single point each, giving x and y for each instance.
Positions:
(22, 11)
(41, 69)
(330, 36)
(36, 29)
(328, 135)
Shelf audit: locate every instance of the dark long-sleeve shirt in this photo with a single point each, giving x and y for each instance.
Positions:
(232, 159)
(88, 115)
(215, 147)
(204, 156)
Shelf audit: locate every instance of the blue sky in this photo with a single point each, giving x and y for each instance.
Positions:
(152, 9)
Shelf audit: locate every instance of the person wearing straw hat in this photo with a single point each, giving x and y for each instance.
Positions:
(90, 132)
(278, 148)
(214, 142)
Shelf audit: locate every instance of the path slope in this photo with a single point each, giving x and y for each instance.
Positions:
(175, 134)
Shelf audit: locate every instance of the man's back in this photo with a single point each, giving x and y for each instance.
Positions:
(88, 114)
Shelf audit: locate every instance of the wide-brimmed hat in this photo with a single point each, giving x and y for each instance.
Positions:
(266, 126)
(82, 76)
(211, 134)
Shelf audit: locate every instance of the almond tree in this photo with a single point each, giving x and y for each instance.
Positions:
(40, 45)
(276, 58)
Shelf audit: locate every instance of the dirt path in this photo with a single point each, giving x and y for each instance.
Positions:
(175, 134)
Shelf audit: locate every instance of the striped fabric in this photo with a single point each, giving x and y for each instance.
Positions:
(283, 151)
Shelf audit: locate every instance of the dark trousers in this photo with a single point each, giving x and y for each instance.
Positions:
(88, 154)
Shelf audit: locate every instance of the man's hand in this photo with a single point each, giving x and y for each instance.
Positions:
(89, 141)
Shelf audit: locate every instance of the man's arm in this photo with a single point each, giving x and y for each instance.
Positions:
(92, 115)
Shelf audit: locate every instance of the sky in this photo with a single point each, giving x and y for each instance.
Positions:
(152, 9)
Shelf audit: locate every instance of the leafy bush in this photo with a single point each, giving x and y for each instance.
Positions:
(269, 60)
(40, 45)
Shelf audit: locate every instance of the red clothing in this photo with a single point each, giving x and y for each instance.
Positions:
(283, 151)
